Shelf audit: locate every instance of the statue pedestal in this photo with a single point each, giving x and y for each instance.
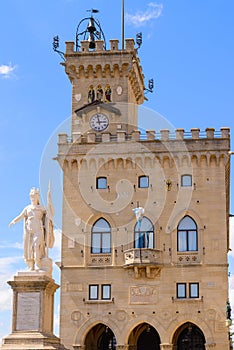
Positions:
(33, 313)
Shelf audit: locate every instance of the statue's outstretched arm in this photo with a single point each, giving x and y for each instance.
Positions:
(17, 218)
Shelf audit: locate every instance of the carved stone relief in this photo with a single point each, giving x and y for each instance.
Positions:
(143, 295)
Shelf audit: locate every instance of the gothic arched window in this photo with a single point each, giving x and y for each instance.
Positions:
(187, 235)
(101, 237)
(144, 234)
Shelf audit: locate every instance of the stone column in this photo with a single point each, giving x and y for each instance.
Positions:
(33, 313)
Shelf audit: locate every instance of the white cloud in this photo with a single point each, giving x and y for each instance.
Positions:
(141, 18)
(8, 267)
(5, 297)
(5, 302)
(8, 264)
(7, 245)
(6, 70)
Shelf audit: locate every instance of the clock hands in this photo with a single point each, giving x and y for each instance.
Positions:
(99, 122)
(98, 118)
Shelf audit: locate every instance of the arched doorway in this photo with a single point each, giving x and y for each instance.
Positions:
(189, 337)
(143, 337)
(100, 337)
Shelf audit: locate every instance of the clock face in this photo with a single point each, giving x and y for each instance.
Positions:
(99, 122)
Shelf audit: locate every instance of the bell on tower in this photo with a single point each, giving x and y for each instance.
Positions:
(90, 32)
(91, 29)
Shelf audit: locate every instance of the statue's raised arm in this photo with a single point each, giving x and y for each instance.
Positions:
(38, 233)
(18, 218)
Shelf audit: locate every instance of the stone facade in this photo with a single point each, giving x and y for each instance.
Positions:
(162, 282)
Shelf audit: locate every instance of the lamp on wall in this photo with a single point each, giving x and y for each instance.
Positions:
(148, 328)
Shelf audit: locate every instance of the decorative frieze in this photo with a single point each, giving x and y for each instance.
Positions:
(188, 259)
(100, 260)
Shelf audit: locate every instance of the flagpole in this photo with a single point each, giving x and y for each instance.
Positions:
(122, 24)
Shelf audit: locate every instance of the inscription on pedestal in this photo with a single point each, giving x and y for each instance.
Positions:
(28, 311)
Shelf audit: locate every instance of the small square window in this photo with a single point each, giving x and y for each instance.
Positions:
(93, 292)
(106, 291)
(186, 180)
(193, 290)
(143, 181)
(101, 183)
(181, 290)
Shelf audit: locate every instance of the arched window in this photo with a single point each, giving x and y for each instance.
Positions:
(101, 237)
(143, 181)
(187, 235)
(101, 182)
(144, 234)
(186, 180)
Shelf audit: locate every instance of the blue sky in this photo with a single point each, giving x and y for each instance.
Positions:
(187, 49)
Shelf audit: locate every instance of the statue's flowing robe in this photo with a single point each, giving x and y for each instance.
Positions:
(49, 232)
(34, 217)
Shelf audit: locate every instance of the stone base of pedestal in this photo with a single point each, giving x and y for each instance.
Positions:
(31, 341)
(33, 313)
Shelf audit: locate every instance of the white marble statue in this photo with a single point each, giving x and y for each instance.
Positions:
(139, 212)
(38, 232)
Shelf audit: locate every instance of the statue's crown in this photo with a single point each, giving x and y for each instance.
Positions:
(35, 190)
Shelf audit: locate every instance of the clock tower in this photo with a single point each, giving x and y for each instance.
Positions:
(106, 86)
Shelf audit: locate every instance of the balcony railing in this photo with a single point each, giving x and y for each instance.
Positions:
(142, 257)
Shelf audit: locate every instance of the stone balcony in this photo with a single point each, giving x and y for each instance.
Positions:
(145, 260)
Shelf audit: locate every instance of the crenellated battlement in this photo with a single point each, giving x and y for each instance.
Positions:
(147, 149)
(114, 47)
(116, 70)
(148, 135)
